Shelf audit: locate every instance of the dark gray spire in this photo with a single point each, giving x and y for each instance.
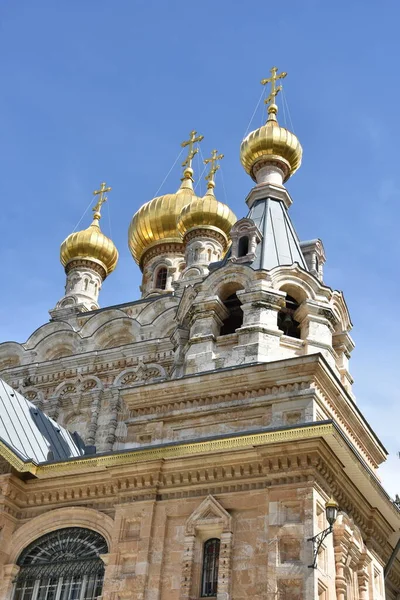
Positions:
(279, 244)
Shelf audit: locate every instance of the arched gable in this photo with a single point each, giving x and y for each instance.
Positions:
(96, 321)
(153, 310)
(164, 324)
(341, 311)
(11, 355)
(226, 281)
(58, 344)
(294, 277)
(117, 332)
(44, 331)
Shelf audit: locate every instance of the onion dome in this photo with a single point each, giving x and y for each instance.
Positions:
(207, 212)
(155, 222)
(271, 143)
(91, 244)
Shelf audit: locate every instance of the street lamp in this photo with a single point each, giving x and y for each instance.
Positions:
(331, 512)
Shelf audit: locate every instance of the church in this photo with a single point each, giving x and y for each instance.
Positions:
(204, 440)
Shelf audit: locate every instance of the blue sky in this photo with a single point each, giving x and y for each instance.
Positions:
(99, 90)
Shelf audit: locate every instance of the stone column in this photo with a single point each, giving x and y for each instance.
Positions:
(224, 567)
(187, 567)
(179, 339)
(205, 326)
(363, 576)
(259, 336)
(114, 406)
(9, 573)
(92, 427)
(317, 326)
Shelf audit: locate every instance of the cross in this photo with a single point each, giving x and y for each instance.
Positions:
(274, 90)
(213, 165)
(102, 197)
(192, 152)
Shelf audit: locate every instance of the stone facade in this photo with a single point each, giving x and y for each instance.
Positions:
(211, 420)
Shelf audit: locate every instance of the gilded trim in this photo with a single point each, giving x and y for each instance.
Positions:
(167, 452)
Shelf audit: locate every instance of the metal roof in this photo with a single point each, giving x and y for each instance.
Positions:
(280, 244)
(30, 433)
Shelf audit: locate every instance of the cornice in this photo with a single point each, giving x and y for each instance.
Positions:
(256, 380)
(173, 450)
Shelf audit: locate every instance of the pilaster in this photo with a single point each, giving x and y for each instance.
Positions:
(317, 325)
(205, 326)
(259, 336)
(343, 346)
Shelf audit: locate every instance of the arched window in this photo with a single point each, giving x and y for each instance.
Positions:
(209, 255)
(86, 284)
(286, 321)
(62, 565)
(243, 247)
(235, 318)
(209, 578)
(161, 279)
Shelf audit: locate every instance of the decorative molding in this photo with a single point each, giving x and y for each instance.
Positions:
(167, 451)
(238, 397)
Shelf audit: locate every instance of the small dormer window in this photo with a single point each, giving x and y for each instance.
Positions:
(245, 237)
(243, 246)
(314, 255)
(161, 279)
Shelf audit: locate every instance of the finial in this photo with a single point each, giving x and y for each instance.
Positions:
(214, 166)
(270, 101)
(187, 163)
(102, 198)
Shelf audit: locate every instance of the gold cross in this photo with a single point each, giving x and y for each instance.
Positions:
(102, 197)
(213, 166)
(274, 90)
(192, 151)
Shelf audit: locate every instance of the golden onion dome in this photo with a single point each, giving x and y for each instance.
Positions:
(271, 142)
(155, 221)
(207, 212)
(91, 244)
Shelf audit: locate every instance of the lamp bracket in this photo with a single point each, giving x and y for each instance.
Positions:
(317, 543)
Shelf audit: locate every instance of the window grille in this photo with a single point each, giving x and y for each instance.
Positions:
(209, 580)
(161, 281)
(62, 565)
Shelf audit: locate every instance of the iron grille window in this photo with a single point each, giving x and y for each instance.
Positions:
(209, 580)
(161, 281)
(62, 565)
